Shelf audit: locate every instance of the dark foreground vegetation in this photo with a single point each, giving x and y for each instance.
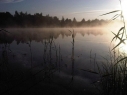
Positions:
(113, 73)
(20, 19)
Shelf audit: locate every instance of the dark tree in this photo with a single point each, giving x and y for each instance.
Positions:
(21, 19)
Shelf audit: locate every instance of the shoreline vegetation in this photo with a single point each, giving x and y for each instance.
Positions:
(25, 20)
(113, 72)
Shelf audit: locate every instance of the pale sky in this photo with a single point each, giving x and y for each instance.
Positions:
(88, 9)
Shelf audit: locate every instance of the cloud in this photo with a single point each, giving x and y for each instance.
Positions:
(10, 1)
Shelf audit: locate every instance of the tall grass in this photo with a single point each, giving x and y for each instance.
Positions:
(113, 75)
(72, 57)
(113, 71)
(46, 71)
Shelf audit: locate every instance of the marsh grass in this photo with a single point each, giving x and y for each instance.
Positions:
(5, 51)
(113, 75)
(72, 56)
(113, 71)
(44, 74)
(31, 55)
(15, 77)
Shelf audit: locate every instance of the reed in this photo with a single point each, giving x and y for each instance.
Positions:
(113, 75)
(113, 70)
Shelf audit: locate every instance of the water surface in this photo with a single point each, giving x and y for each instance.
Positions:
(60, 53)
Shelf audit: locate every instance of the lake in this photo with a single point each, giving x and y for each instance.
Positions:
(54, 58)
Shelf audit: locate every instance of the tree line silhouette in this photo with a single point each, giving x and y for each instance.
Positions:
(20, 19)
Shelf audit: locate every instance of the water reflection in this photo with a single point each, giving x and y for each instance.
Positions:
(38, 35)
(57, 54)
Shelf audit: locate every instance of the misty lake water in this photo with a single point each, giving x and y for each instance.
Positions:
(58, 51)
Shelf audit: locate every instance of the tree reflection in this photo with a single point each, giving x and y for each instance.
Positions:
(38, 35)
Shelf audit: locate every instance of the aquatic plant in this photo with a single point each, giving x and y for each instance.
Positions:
(112, 74)
(113, 71)
(72, 57)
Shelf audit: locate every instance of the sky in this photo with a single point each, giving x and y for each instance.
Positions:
(87, 9)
